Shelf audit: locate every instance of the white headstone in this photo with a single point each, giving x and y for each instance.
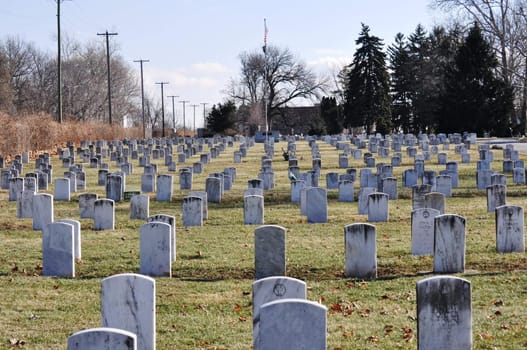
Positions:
(140, 207)
(103, 338)
(58, 257)
(104, 214)
(155, 249)
(128, 302)
(361, 251)
(510, 229)
(449, 244)
(423, 231)
(269, 251)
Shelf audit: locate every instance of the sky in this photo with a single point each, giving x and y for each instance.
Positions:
(194, 45)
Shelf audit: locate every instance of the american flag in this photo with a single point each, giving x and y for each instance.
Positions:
(266, 31)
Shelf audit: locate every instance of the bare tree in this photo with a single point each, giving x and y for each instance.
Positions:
(275, 78)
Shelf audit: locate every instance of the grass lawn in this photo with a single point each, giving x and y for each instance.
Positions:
(207, 302)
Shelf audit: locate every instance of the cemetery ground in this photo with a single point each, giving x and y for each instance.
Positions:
(206, 304)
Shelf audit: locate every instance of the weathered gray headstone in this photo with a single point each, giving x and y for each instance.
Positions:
(496, 196)
(128, 302)
(363, 199)
(213, 189)
(192, 211)
(423, 231)
(269, 251)
(62, 189)
(316, 205)
(346, 193)
(378, 207)
(42, 210)
(170, 220)
(87, 205)
(165, 188)
(155, 249)
(104, 214)
(361, 251)
(58, 257)
(253, 210)
(204, 202)
(103, 338)
(510, 229)
(140, 207)
(292, 324)
(444, 185)
(449, 244)
(270, 289)
(77, 245)
(444, 313)
(435, 200)
(24, 204)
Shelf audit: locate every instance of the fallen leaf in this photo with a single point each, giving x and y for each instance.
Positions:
(237, 308)
(365, 313)
(485, 336)
(499, 302)
(337, 307)
(373, 338)
(243, 318)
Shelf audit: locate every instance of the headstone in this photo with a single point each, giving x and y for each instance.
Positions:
(292, 324)
(155, 249)
(378, 207)
(518, 176)
(169, 220)
(269, 251)
(296, 188)
(449, 244)
(346, 191)
(114, 187)
(58, 258)
(410, 178)
(418, 195)
(204, 205)
(253, 210)
(77, 245)
(332, 181)
(270, 289)
(496, 196)
(148, 183)
(435, 200)
(185, 180)
(128, 302)
(87, 205)
(444, 185)
(389, 186)
(103, 338)
(361, 251)
(316, 205)
(140, 207)
(192, 211)
(423, 231)
(62, 189)
(444, 313)
(363, 199)
(42, 210)
(165, 188)
(103, 214)
(510, 229)
(213, 189)
(24, 204)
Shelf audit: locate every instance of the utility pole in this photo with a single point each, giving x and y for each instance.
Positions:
(173, 110)
(141, 61)
(162, 107)
(184, 116)
(194, 106)
(107, 35)
(59, 66)
(204, 118)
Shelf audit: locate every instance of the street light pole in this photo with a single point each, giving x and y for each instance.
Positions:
(107, 35)
(184, 126)
(204, 118)
(173, 111)
(194, 106)
(141, 61)
(162, 107)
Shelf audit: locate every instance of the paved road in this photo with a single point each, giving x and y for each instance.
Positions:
(519, 146)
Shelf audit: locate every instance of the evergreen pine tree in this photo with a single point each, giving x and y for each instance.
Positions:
(475, 99)
(329, 111)
(400, 87)
(367, 100)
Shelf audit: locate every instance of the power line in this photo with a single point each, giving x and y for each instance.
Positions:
(173, 110)
(184, 116)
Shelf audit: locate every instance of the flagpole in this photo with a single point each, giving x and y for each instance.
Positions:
(264, 48)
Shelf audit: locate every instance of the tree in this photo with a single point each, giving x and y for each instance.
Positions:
(367, 100)
(474, 98)
(329, 111)
(274, 78)
(222, 117)
(400, 87)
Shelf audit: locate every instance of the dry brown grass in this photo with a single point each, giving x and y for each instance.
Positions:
(40, 132)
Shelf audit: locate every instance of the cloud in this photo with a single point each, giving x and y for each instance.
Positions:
(209, 67)
(329, 63)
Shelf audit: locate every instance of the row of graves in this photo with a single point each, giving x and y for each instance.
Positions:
(282, 317)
